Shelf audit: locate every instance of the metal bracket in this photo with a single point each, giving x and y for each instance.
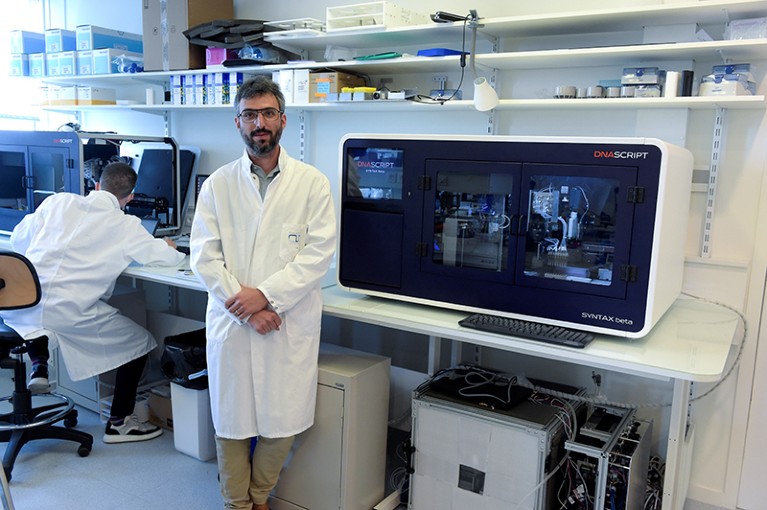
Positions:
(713, 174)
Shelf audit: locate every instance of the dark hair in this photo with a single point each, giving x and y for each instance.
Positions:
(258, 86)
(119, 179)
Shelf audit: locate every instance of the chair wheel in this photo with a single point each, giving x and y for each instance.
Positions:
(70, 422)
(84, 451)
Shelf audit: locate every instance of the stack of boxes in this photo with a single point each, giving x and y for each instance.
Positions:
(87, 50)
(219, 88)
(300, 86)
(23, 45)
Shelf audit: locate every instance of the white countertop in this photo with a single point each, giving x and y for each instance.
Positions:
(691, 342)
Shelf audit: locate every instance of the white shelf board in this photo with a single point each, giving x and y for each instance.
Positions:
(693, 103)
(560, 23)
(626, 56)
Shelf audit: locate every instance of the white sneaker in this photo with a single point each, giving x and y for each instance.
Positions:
(38, 381)
(130, 431)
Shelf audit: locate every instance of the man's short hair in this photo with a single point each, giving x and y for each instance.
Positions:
(119, 179)
(258, 86)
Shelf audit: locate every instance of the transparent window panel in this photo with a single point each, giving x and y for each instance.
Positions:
(571, 228)
(472, 219)
(48, 173)
(13, 193)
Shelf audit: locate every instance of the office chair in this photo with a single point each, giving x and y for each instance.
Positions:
(20, 288)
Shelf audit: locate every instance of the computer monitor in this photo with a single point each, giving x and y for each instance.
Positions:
(157, 194)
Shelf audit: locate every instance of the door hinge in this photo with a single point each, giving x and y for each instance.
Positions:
(635, 195)
(420, 249)
(629, 273)
(70, 163)
(424, 183)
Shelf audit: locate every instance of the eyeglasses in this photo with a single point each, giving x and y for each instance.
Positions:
(250, 116)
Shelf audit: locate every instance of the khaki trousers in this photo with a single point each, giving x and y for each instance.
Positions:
(245, 481)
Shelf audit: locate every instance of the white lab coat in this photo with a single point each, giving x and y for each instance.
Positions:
(283, 245)
(79, 246)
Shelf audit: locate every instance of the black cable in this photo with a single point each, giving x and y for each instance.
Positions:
(420, 98)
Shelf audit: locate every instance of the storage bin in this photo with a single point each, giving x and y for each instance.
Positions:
(193, 432)
(371, 16)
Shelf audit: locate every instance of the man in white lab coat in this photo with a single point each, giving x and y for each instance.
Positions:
(263, 237)
(79, 246)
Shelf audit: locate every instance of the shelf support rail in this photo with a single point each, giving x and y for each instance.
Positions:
(713, 174)
(302, 135)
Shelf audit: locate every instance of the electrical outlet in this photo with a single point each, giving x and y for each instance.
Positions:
(440, 78)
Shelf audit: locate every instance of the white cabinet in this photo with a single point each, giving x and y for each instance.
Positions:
(339, 463)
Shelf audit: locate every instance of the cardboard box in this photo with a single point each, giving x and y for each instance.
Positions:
(27, 42)
(322, 84)
(67, 63)
(111, 60)
(301, 86)
(57, 40)
(284, 78)
(160, 407)
(37, 65)
(226, 87)
(165, 45)
(96, 95)
(91, 37)
(216, 56)
(19, 65)
(200, 85)
(52, 64)
(85, 63)
(58, 95)
(177, 89)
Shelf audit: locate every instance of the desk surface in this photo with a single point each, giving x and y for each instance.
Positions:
(691, 342)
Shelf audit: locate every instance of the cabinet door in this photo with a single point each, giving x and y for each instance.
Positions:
(311, 478)
(470, 221)
(577, 228)
(13, 185)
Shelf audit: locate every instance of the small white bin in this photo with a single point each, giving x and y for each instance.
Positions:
(193, 432)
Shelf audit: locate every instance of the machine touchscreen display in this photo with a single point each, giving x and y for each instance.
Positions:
(374, 173)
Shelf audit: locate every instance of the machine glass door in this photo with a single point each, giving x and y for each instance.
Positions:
(470, 219)
(577, 228)
(48, 172)
(14, 202)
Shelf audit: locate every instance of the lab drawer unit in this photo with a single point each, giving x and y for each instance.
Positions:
(340, 462)
(586, 233)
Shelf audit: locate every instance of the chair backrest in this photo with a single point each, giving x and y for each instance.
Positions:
(19, 284)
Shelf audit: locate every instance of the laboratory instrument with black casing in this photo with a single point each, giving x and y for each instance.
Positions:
(575, 232)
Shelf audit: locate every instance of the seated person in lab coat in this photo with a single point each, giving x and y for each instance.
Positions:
(262, 239)
(79, 246)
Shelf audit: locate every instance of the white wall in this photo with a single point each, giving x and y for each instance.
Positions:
(733, 275)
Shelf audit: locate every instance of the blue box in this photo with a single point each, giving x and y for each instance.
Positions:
(27, 42)
(37, 67)
(19, 65)
(68, 63)
(91, 37)
(52, 64)
(85, 63)
(57, 39)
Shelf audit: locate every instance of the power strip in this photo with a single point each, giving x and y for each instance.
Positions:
(390, 502)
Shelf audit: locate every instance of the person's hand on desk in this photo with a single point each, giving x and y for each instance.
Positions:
(170, 242)
(265, 321)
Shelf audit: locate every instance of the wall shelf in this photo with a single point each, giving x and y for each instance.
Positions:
(692, 103)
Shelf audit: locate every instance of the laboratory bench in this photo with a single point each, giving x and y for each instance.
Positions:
(692, 343)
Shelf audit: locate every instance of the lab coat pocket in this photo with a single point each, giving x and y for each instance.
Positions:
(293, 238)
